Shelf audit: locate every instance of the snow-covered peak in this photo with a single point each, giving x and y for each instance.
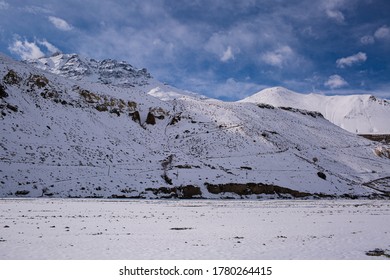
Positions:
(107, 71)
(363, 114)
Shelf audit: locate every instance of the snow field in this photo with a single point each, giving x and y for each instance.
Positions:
(193, 229)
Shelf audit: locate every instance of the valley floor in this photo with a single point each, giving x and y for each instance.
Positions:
(194, 229)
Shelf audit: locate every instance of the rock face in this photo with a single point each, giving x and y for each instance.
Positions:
(107, 71)
(385, 138)
(150, 119)
(135, 117)
(86, 132)
(253, 188)
(3, 93)
(184, 192)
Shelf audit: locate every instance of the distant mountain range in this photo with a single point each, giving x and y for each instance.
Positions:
(77, 127)
(362, 114)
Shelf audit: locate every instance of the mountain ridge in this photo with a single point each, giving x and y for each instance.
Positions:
(107, 71)
(359, 113)
(362, 114)
(64, 137)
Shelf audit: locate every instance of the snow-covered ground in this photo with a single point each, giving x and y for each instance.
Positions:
(193, 229)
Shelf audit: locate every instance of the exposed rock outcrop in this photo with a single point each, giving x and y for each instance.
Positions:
(253, 188)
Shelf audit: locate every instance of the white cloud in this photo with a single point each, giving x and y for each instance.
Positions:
(227, 55)
(225, 45)
(278, 57)
(382, 32)
(335, 81)
(335, 15)
(31, 50)
(367, 40)
(60, 23)
(350, 60)
(309, 32)
(333, 9)
(26, 50)
(50, 47)
(4, 5)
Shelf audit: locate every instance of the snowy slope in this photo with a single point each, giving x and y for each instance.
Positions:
(362, 114)
(80, 137)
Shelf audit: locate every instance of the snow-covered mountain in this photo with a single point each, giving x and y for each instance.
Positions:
(79, 135)
(108, 71)
(362, 114)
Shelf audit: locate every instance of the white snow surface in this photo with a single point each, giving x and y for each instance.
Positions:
(193, 229)
(81, 136)
(362, 114)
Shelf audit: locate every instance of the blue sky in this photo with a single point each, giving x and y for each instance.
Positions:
(222, 49)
